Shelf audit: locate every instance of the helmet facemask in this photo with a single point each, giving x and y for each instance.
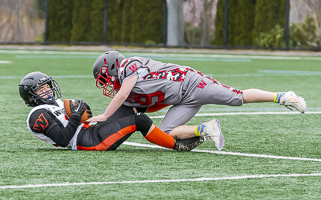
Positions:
(45, 97)
(110, 84)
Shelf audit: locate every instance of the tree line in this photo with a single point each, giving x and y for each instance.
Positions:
(129, 21)
(247, 19)
(250, 23)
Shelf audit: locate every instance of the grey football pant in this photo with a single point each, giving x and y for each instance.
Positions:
(212, 93)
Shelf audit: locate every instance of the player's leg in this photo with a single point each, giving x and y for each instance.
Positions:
(289, 99)
(152, 133)
(155, 135)
(104, 137)
(209, 92)
(213, 92)
(108, 135)
(256, 96)
(122, 111)
(178, 115)
(210, 129)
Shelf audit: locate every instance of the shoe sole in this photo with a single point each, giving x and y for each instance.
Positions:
(219, 139)
(303, 106)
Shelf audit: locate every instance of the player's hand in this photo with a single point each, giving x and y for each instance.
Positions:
(79, 108)
(98, 118)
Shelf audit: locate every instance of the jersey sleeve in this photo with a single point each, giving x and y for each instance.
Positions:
(42, 121)
(132, 67)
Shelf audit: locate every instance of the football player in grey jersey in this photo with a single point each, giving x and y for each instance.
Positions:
(148, 84)
(48, 121)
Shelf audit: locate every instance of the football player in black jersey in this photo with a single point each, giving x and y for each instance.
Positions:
(48, 121)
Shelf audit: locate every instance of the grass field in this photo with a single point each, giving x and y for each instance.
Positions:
(269, 153)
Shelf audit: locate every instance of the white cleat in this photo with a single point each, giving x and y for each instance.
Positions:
(213, 131)
(290, 99)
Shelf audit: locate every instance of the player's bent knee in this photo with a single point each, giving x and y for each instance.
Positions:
(143, 123)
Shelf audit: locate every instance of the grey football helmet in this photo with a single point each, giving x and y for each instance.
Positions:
(105, 71)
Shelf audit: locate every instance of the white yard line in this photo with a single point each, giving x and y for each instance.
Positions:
(179, 180)
(158, 181)
(5, 62)
(229, 153)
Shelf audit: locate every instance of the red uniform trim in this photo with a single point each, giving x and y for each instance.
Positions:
(112, 139)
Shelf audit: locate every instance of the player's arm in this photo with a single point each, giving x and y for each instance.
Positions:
(118, 99)
(42, 121)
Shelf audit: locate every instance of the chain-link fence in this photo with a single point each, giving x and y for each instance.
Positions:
(188, 23)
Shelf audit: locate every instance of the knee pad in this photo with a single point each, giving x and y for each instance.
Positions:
(143, 123)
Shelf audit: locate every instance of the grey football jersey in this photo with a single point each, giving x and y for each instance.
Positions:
(181, 86)
(157, 82)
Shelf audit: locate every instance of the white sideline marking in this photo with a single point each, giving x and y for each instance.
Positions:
(45, 52)
(5, 62)
(220, 56)
(290, 72)
(159, 181)
(58, 76)
(267, 57)
(245, 113)
(228, 153)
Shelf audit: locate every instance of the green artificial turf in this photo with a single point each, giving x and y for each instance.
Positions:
(134, 172)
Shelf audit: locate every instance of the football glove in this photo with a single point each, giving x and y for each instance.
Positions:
(78, 108)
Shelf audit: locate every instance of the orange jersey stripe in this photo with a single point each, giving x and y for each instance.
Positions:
(112, 139)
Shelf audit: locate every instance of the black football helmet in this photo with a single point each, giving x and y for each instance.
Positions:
(105, 71)
(32, 82)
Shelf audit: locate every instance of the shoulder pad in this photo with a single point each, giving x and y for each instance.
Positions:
(39, 120)
(129, 67)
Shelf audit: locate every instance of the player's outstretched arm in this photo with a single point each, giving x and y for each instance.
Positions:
(118, 100)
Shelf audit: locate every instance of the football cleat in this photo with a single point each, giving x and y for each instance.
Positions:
(290, 99)
(188, 144)
(213, 131)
